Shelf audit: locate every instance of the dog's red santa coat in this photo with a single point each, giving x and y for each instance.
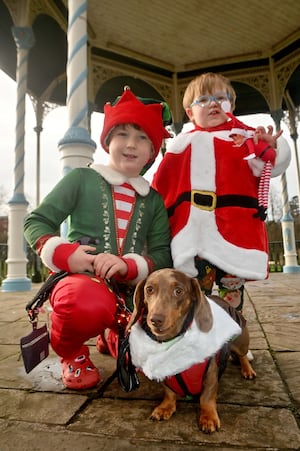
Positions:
(187, 355)
(211, 193)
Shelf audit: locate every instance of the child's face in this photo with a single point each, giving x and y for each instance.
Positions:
(206, 110)
(129, 150)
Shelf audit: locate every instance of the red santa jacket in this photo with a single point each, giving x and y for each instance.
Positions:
(211, 193)
(189, 383)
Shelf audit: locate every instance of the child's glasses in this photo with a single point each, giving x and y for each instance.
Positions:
(204, 101)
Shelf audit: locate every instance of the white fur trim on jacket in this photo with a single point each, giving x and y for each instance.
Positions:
(185, 245)
(48, 251)
(160, 360)
(283, 157)
(189, 241)
(142, 267)
(113, 177)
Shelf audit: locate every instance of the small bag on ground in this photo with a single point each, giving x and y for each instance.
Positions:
(35, 347)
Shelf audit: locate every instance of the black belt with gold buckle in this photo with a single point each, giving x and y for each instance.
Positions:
(208, 200)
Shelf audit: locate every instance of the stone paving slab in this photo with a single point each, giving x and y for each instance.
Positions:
(240, 424)
(109, 418)
(25, 437)
(38, 413)
(9, 333)
(277, 283)
(277, 310)
(282, 337)
(267, 389)
(34, 407)
(46, 377)
(289, 364)
(257, 337)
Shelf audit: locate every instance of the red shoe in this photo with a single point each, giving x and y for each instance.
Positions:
(101, 344)
(80, 373)
(108, 343)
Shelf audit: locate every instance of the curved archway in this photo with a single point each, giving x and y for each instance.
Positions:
(8, 53)
(45, 62)
(248, 99)
(293, 89)
(114, 87)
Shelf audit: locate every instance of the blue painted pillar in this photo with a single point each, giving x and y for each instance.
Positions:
(76, 147)
(287, 221)
(17, 279)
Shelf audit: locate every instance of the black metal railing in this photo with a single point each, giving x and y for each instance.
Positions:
(37, 272)
(276, 255)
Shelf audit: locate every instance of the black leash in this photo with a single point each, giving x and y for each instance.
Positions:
(125, 371)
(42, 295)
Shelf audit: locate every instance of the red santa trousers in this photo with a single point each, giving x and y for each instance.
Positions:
(83, 307)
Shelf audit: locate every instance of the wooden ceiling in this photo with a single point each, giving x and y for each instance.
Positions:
(157, 47)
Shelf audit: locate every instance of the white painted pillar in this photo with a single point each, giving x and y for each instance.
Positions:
(287, 221)
(77, 148)
(288, 232)
(17, 279)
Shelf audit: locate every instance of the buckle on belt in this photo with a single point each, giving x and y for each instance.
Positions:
(205, 200)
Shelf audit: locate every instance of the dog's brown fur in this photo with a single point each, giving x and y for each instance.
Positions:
(166, 297)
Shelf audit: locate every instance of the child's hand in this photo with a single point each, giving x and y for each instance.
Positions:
(80, 260)
(268, 137)
(107, 265)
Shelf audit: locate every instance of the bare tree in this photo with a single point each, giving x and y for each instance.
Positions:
(275, 205)
(3, 201)
(294, 206)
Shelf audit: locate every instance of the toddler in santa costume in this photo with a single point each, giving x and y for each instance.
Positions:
(212, 186)
(118, 230)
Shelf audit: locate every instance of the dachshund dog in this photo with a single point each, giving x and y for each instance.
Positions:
(175, 329)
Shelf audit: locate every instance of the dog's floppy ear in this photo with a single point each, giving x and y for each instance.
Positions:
(138, 302)
(203, 315)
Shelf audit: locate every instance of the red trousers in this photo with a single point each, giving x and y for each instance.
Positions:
(83, 307)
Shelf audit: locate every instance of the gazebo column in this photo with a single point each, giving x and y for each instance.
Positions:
(292, 122)
(39, 114)
(287, 221)
(177, 109)
(76, 147)
(17, 279)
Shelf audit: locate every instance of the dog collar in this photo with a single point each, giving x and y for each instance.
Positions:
(187, 323)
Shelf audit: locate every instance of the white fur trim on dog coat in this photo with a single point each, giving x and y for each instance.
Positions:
(160, 360)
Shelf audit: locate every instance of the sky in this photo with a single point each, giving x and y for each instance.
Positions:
(54, 128)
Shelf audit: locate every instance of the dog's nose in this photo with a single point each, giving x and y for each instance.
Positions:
(157, 320)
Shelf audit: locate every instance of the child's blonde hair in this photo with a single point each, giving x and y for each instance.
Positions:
(207, 84)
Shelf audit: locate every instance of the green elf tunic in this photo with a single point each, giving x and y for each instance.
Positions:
(83, 305)
(84, 196)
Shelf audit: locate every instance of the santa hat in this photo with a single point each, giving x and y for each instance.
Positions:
(240, 131)
(130, 110)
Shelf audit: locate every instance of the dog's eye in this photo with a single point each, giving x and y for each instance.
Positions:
(178, 291)
(149, 289)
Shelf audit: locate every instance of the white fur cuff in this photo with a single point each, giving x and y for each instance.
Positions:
(142, 267)
(48, 251)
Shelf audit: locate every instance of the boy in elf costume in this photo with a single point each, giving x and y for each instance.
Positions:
(118, 230)
(213, 188)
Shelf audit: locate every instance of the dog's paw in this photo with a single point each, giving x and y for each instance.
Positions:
(209, 423)
(162, 413)
(246, 368)
(248, 373)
